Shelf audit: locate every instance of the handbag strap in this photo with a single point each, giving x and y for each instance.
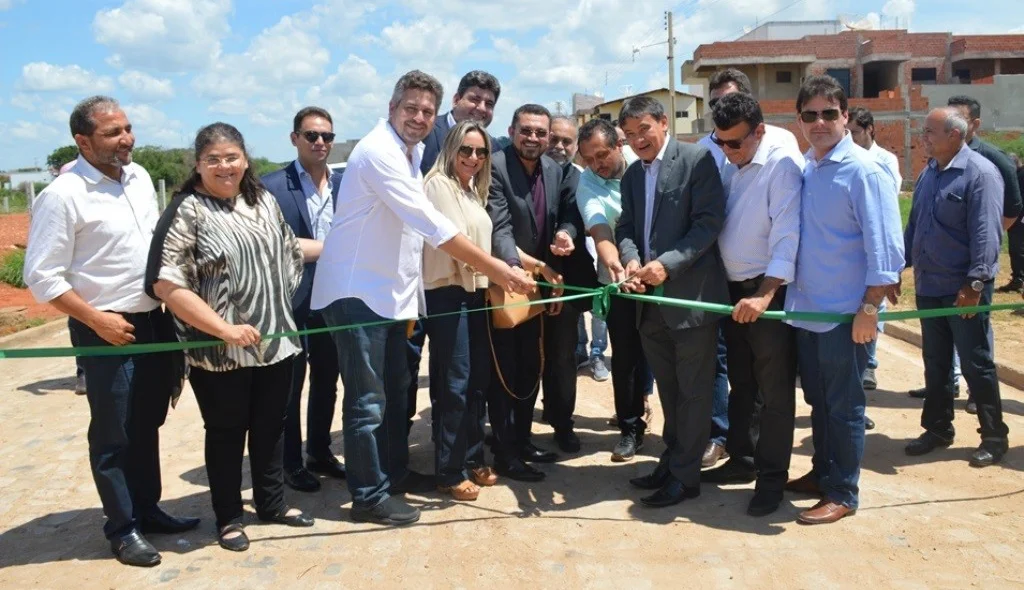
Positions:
(497, 366)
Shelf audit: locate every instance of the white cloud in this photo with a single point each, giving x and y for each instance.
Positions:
(44, 77)
(153, 127)
(164, 35)
(144, 87)
(27, 131)
(428, 38)
(901, 9)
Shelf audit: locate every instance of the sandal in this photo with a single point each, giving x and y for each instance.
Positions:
(484, 476)
(239, 543)
(466, 491)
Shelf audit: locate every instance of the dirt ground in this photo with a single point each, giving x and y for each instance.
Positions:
(925, 522)
(14, 234)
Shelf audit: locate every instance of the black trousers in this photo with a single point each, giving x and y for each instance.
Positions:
(248, 401)
(629, 368)
(414, 354)
(517, 351)
(683, 361)
(128, 399)
(1015, 243)
(319, 352)
(762, 404)
(559, 382)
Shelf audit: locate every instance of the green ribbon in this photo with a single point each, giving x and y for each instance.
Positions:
(601, 298)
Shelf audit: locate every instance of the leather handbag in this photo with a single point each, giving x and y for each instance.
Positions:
(511, 308)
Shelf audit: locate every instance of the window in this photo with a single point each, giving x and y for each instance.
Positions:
(605, 116)
(682, 114)
(964, 75)
(783, 77)
(922, 75)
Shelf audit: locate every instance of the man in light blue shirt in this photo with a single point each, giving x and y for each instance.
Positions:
(851, 254)
(759, 241)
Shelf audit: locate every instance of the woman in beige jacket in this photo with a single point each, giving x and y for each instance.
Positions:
(459, 363)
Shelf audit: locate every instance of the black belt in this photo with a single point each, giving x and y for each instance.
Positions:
(753, 283)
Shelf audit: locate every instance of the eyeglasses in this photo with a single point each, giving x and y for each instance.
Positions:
(733, 144)
(538, 133)
(311, 136)
(565, 141)
(467, 150)
(230, 160)
(829, 115)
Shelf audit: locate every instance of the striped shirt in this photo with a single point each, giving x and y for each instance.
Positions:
(243, 261)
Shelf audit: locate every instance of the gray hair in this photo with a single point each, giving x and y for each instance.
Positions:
(82, 121)
(955, 120)
(565, 118)
(417, 80)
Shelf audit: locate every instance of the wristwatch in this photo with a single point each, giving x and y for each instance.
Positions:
(869, 309)
(976, 286)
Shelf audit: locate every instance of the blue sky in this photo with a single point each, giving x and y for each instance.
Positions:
(178, 64)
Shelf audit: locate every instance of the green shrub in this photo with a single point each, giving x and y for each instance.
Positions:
(12, 265)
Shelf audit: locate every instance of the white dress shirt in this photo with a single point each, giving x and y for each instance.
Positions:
(374, 250)
(90, 234)
(762, 212)
(889, 162)
(774, 134)
(650, 189)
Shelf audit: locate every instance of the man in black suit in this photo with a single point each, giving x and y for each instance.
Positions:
(673, 208)
(474, 100)
(535, 225)
(306, 191)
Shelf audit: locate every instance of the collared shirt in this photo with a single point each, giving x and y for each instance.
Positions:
(451, 120)
(600, 202)
(319, 205)
(374, 249)
(90, 234)
(1012, 204)
(955, 225)
(650, 189)
(762, 213)
(889, 162)
(850, 234)
(777, 135)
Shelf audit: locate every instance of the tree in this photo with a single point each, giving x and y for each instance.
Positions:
(61, 156)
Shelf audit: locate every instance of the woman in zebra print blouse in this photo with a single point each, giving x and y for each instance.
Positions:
(225, 262)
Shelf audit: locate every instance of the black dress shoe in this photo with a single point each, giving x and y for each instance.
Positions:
(869, 424)
(627, 448)
(329, 466)
(238, 542)
(413, 483)
(654, 480)
(923, 392)
(282, 517)
(133, 549)
(160, 523)
(971, 407)
(568, 441)
(732, 471)
(518, 470)
(926, 443)
(301, 480)
(391, 512)
(531, 453)
(989, 453)
(1014, 286)
(670, 494)
(764, 502)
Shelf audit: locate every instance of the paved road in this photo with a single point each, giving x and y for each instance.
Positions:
(930, 522)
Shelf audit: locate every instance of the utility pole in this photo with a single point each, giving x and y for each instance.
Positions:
(671, 76)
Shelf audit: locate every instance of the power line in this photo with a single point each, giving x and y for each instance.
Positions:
(764, 18)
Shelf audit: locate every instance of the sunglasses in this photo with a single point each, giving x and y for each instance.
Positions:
(311, 136)
(733, 144)
(538, 133)
(466, 151)
(825, 115)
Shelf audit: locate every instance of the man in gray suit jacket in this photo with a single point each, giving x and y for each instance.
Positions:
(673, 208)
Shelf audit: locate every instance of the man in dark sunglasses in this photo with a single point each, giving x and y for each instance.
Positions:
(306, 191)
(762, 179)
(850, 257)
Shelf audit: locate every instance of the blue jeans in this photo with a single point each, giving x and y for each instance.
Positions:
(831, 366)
(720, 401)
(599, 331)
(375, 373)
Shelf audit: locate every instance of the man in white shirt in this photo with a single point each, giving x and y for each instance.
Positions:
(89, 228)
(759, 240)
(370, 272)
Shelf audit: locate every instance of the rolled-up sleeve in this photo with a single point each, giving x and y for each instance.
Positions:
(51, 247)
(876, 208)
(785, 185)
(984, 227)
(402, 192)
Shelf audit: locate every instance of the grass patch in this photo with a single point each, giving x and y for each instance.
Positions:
(12, 266)
(17, 201)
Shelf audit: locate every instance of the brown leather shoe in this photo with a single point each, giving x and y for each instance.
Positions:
(713, 453)
(825, 512)
(483, 476)
(806, 484)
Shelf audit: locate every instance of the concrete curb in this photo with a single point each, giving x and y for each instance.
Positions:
(31, 336)
(912, 335)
